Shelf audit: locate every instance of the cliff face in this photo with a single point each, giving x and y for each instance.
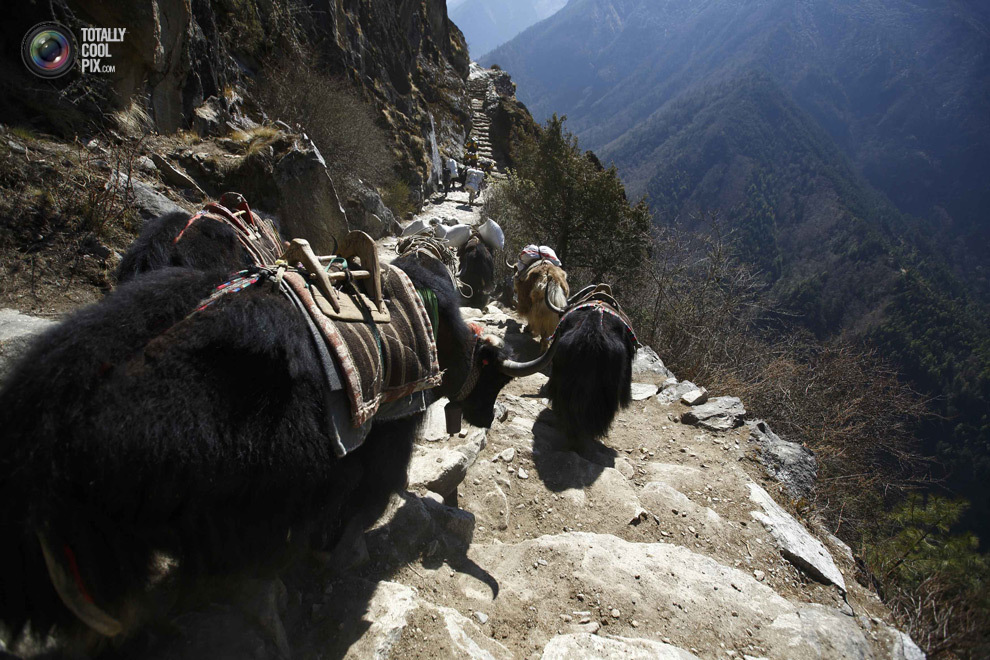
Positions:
(179, 54)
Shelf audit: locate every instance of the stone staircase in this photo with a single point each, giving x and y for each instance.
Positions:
(480, 122)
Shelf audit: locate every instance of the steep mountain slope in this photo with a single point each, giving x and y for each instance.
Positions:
(487, 24)
(900, 86)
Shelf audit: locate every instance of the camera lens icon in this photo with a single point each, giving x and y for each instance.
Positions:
(49, 50)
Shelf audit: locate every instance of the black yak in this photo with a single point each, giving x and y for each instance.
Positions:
(477, 270)
(591, 377)
(146, 445)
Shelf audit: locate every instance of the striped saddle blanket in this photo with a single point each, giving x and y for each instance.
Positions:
(379, 363)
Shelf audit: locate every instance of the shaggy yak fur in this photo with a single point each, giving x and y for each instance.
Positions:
(205, 245)
(532, 289)
(477, 270)
(591, 377)
(137, 435)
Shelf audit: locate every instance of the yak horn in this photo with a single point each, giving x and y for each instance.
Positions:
(69, 593)
(509, 264)
(546, 296)
(522, 369)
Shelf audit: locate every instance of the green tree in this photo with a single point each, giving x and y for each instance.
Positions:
(566, 199)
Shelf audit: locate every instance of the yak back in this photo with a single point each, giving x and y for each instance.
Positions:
(132, 428)
(591, 377)
(205, 245)
(477, 269)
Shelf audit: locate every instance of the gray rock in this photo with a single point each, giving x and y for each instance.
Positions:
(441, 469)
(643, 391)
(16, 147)
(394, 608)
(586, 645)
(695, 397)
(209, 117)
(796, 543)
(904, 647)
(508, 454)
(720, 414)
(308, 203)
(174, 176)
(145, 164)
(150, 203)
(17, 331)
(366, 211)
(672, 393)
(648, 362)
(815, 632)
(789, 463)
(434, 425)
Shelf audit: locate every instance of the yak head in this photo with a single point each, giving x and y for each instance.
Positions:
(491, 367)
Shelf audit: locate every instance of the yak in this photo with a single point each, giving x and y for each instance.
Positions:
(540, 289)
(477, 270)
(591, 373)
(149, 442)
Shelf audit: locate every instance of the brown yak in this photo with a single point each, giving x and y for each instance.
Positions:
(541, 282)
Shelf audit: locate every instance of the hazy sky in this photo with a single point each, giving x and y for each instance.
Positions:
(453, 3)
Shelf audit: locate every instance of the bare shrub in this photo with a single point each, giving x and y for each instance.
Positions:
(341, 124)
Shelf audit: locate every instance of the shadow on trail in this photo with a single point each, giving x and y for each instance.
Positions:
(316, 608)
(557, 463)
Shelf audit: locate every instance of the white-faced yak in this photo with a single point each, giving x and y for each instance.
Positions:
(591, 377)
(147, 443)
(541, 289)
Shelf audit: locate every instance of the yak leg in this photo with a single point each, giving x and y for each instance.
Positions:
(384, 459)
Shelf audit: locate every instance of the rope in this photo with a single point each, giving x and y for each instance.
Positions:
(436, 248)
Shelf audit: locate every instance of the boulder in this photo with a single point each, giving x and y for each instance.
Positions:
(395, 610)
(441, 469)
(648, 362)
(366, 211)
(695, 397)
(796, 543)
(673, 392)
(434, 426)
(174, 176)
(722, 413)
(643, 391)
(790, 463)
(16, 334)
(816, 632)
(150, 203)
(308, 203)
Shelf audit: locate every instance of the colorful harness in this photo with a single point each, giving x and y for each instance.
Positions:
(256, 235)
(601, 299)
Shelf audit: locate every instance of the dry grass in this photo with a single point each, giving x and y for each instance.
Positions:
(64, 211)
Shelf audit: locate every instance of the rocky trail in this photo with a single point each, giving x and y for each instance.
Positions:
(667, 541)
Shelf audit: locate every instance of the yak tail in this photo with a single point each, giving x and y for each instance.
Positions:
(592, 375)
